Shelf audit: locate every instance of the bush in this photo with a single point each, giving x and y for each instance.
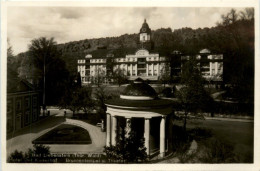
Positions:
(200, 133)
(180, 140)
(127, 150)
(39, 151)
(16, 157)
(167, 92)
(218, 151)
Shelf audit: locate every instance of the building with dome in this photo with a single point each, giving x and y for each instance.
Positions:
(144, 62)
(140, 110)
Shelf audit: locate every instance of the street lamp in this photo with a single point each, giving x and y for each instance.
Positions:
(43, 101)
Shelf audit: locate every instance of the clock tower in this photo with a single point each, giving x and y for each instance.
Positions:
(145, 33)
(145, 37)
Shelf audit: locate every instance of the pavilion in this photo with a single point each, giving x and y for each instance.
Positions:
(142, 111)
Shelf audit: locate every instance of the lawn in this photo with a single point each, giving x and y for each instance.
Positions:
(238, 134)
(65, 134)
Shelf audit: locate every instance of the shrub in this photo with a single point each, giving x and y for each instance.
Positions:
(180, 140)
(167, 92)
(16, 157)
(200, 133)
(39, 151)
(127, 150)
(218, 151)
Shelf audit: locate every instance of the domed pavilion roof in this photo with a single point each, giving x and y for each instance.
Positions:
(139, 95)
(139, 89)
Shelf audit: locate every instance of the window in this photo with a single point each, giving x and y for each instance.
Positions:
(18, 104)
(34, 114)
(9, 106)
(27, 102)
(34, 101)
(143, 37)
(27, 117)
(150, 72)
(213, 71)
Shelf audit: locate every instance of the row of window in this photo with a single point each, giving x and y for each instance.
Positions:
(18, 104)
(203, 57)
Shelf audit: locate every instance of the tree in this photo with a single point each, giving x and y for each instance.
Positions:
(71, 100)
(101, 96)
(128, 149)
(79, 84)
(239, 47)
(86, 102)
(192, 96)
(45, 60)
(99, 76)
(165, 77)
(35, 155)
(119, 76)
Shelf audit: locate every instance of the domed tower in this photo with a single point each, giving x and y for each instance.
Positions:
(145, 37)
(145, 32)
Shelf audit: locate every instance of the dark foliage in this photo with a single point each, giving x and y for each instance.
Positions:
(35, 155)
(218, 151)
(127, 150)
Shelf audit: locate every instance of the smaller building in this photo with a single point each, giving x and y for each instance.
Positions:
(22, 104)
(210, 64)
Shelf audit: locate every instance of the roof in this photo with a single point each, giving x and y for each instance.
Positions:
(156, 103)
(139, 89)
(205, 51)
(16, 84)
(145, 28)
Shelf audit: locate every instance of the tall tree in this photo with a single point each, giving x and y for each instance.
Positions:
(165, 77)
(192, 96)
(119, 76)
(51, 69)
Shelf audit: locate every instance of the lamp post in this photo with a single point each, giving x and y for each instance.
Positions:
(43, 101)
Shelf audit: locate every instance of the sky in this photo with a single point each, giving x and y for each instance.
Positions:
(78, 23)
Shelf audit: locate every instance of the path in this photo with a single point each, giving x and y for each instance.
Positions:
(22, 139)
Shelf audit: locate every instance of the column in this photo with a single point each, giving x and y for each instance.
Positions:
(210, 68)
(114, 131)
(136, 69)
(158, 69)
(128, 127)
(108, 130)
(216, 68)
(131, 70)
(147, 69)
(162, 137)
(147, 135)
(152, 69)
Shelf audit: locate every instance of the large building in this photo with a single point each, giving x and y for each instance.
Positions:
(145, 63)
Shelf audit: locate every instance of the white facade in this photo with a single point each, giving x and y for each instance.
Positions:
(144, 37)
(141, 64)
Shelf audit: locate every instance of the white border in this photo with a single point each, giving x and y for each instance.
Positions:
(144, 3)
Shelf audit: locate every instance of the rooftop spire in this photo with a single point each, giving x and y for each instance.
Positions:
(145, 20)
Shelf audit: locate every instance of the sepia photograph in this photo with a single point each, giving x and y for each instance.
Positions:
(124, 85)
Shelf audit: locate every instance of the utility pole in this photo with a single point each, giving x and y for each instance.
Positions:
(43, 101)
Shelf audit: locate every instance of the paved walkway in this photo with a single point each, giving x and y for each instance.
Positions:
(22, 139)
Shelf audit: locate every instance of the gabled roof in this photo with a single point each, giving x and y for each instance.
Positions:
(16, 84)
